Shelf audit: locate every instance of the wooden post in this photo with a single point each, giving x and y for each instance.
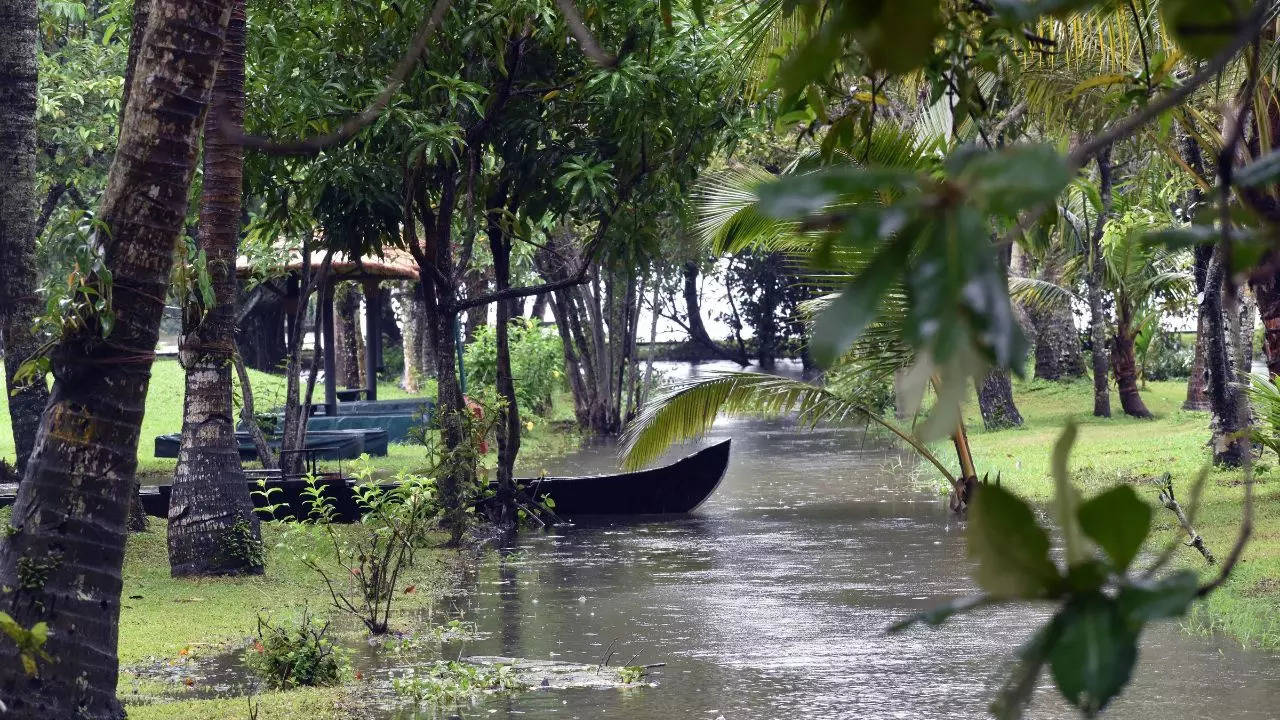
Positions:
(330, 359)
(372, 337)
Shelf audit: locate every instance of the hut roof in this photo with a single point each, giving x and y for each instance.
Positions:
(390, 264)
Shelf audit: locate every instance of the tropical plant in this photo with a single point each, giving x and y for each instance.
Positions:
(289, 655)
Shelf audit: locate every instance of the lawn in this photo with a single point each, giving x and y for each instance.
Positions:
(1139, 452)
(546, 439)
(167, 622)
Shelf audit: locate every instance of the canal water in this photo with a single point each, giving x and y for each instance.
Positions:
(771, 601)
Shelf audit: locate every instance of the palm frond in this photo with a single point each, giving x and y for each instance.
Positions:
(687, 410)
(1039, 294)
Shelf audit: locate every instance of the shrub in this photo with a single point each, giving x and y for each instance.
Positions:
(293, 655)
(537, 360)
(1168, 357)
(373, 552)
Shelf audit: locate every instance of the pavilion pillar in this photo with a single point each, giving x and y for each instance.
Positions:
(372, 337)
(330, 355)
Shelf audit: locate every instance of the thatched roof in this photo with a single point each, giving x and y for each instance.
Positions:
(391, 264)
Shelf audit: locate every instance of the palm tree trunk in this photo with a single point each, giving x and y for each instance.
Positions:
(19, 304)
(1093, 279)
(1266, 291)
(69, 515)
(1125, 365)
(1224, 393)
(995, 400)
(211, 517)
(1197, 398)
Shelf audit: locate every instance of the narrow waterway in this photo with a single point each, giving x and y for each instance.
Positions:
(771, 601)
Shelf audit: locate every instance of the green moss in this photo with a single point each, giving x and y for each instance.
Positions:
(1137, 452)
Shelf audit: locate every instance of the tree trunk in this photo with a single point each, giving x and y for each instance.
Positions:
(995, 399)
(212, 526)
(1197, 397)
(1224, 393)
(19, 303)
(408, 309)
(508, 427)
(69, 515)
(1097, 316)
(1266, 291)
(349, 344)
(698, 331)
(1125, 364)
(1057, 344)
(260, 335)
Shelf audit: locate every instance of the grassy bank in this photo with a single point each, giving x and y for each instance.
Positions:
(167, 622)
(547, 438)
(1139, 452)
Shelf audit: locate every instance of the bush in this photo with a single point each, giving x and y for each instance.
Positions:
(1168, 357)
(377, 549)
(537, 361)
(288, 656)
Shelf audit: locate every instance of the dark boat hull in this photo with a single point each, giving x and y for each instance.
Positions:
(676, 488)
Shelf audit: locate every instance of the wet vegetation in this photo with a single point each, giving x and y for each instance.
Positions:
(451, 238)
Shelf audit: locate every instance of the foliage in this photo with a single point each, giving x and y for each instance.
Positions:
(536, 363)
(1167, 356)
(1090, 643)
(294, 654)
(1264, 395)
(396, 521)
(30, 642)
(449, 683)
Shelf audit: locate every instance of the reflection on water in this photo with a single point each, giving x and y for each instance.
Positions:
(771, 602)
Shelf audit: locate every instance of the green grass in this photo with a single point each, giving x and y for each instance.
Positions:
(1138, 452)
(170, 619)
(548, 438)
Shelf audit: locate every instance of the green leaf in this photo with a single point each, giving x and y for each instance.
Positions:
(1011, 180)
(900, 39)
(854, 309)
(1118, 521)
(1199, 27)
(1066, 497)
(1094, 654)
(1181, 238)
(1143, 601)
(942, 613)
(1010, 547)
(812, 192)
(1264, 170)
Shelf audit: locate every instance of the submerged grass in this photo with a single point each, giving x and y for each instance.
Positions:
(168, 621)
(1124, 450)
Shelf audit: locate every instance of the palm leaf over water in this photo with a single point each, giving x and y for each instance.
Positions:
(688, 409)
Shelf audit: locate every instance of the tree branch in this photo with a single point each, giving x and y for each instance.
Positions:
(348, 129)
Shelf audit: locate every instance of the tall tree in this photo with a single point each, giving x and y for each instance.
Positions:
(19, 304)
(1094, 279)
(212, 525)
(69, 515)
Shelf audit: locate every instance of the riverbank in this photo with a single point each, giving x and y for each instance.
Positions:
(1138, 452)
(179, 638)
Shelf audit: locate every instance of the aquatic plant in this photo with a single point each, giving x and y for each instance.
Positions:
(453, 682)
(293, 654)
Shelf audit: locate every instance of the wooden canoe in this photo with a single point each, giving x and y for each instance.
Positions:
(671, 489)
